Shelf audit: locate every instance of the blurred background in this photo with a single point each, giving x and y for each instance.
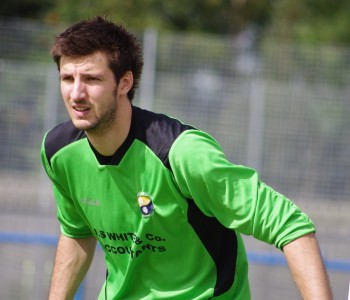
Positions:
(269, 79)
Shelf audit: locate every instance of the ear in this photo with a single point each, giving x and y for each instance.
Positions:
(125, 83)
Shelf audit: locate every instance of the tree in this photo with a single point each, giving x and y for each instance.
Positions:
(312, 21)
(213, 16)
(298, 20)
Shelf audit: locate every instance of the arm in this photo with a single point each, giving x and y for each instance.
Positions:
(73, 259)
(307, 268)
(236, 197)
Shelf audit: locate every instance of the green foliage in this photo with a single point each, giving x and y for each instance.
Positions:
(213, 16)
(308, 21)
(312, 21)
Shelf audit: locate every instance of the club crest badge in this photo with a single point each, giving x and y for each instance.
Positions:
(145, 203)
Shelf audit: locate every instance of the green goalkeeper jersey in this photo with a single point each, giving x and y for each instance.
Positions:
(167, 209)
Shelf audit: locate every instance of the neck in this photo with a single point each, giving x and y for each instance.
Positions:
(108, 142)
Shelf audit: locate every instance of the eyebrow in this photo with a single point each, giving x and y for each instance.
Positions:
(83, 74)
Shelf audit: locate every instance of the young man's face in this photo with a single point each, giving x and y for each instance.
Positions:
(89, 91)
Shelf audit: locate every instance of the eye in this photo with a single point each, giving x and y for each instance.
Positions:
(67, 78)
(93, 78)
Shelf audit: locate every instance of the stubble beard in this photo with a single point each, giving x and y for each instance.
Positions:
(102, 124)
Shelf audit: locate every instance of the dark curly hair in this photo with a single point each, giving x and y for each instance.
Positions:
(122, 48)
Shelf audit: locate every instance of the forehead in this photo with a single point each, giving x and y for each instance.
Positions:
(95, 61)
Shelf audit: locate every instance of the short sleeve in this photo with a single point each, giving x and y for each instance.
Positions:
(72, 223)
(71, 220)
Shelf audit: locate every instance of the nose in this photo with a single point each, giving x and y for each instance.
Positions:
(78, 91)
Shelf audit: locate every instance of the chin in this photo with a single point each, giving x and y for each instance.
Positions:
(82, 125)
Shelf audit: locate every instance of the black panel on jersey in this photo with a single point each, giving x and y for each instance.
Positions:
(61, 136)
(157, 131)
(220, 242)
(119, 154)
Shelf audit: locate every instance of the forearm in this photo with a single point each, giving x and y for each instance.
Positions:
(73, 259)
(307, 268)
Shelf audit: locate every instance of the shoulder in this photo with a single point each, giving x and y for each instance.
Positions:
(157, 131)
(157, 124)
(59, 137)
(193, 142)
(196, 151)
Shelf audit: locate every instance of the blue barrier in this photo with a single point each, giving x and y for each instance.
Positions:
(33, 239)
(261, 258)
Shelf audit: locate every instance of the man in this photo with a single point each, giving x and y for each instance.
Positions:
(159, 196)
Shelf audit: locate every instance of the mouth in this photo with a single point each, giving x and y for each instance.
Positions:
(80, 111)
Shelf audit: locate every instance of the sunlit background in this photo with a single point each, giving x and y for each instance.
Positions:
(270, 80)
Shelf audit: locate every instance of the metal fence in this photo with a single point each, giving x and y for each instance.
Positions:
(278, 107)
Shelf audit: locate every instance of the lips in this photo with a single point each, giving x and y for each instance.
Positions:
(81, 111)
(81, 108)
